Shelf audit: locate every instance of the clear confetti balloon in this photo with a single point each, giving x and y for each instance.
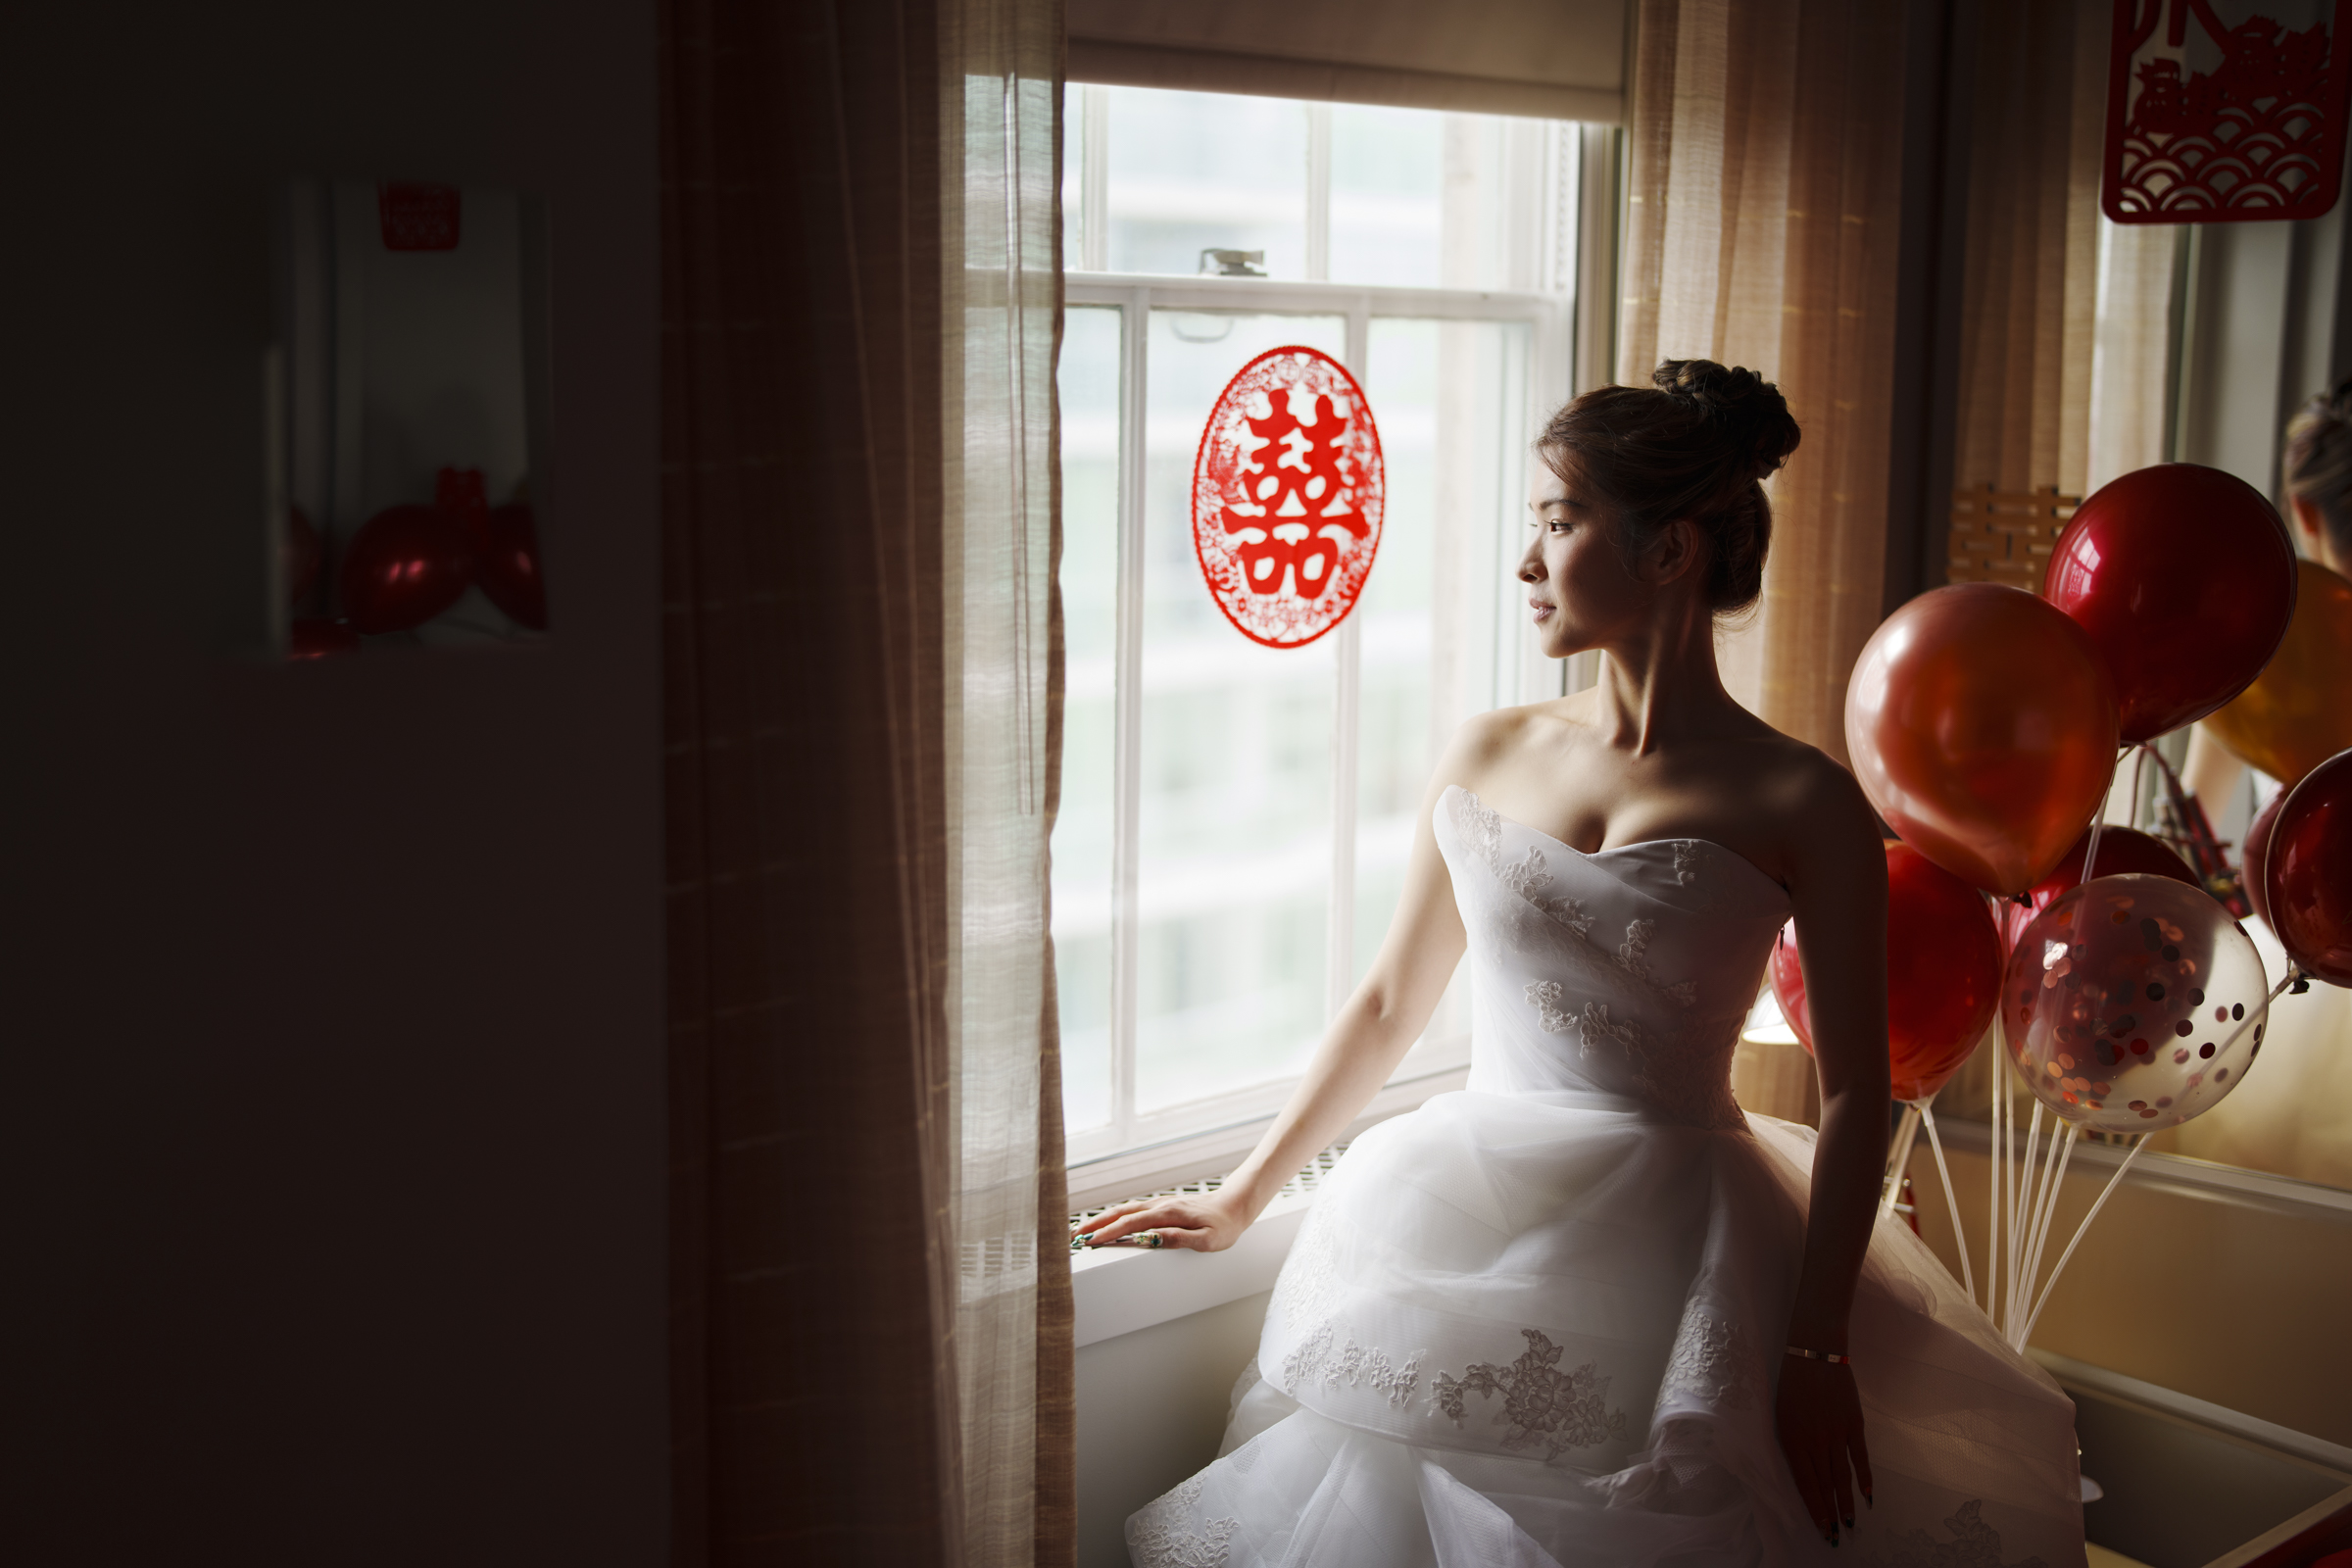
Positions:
(2132, 1004)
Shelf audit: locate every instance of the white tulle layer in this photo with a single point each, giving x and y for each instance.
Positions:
(1545, 1328)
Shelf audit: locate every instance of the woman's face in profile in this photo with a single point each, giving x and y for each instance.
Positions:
(1578, 591)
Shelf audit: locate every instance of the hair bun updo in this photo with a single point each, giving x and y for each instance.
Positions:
(1758, 432)
(1694, 450)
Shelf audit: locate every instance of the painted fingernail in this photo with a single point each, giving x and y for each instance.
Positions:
(1849, 1521)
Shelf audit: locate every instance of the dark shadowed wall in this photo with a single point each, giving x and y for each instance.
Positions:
(330, 1044)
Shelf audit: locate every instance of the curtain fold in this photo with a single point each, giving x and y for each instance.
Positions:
(1763, 225)
(1003, 64)
(860, 307)
(2066, 321)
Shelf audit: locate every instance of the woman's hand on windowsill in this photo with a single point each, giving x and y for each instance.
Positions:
(1208, 1222)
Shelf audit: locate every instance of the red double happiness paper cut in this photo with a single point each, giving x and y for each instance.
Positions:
(2221, 116)
(1288, 492)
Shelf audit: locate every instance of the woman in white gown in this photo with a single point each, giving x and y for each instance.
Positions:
(1541, 1321)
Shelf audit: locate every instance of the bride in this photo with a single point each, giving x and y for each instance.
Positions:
(1541, 1321)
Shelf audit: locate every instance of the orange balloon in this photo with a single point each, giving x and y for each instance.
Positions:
(2298, 713)
(1981, 724)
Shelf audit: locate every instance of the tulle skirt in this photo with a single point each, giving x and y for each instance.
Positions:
(1545, 1328)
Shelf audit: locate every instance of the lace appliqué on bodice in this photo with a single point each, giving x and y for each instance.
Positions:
(1541, 1406)
(1712, 1363)
(1633, 958)
(1974, 1545)
(1322, 1356)
(1529, 877)
(1161, 1535)
(1691, 1085)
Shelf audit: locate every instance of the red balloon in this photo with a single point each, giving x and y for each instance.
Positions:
(505, 564)
(315, 637)
(2185, 578)
(1982, 725)
(406, 566)
(2257, 847)
(2121, 850)
(1943, 973)
(2307, 872)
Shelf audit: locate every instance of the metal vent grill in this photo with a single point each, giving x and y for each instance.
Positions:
(1306, 1181)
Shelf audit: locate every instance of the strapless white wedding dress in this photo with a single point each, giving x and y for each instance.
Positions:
(1539, 1322)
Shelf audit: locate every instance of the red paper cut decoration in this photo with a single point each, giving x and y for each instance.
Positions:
(1288, 492)
(417, 217)
(2217, 124)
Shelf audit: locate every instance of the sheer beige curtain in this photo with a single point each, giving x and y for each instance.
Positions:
(1762, 231)
(1002, 68)
(870, 1346)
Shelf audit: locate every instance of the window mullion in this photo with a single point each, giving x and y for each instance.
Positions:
(1134, 323)
(1345, 731)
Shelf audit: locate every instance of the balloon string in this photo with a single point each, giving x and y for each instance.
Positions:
(1899, 1159)
(1951, 1199)
(2018, 1343)
(2063, 1147)
(2021, 1203)
(2000, 1158)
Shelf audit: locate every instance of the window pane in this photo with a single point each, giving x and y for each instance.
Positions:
(1195, 170)
(1388, 187)
(1448, 201)
(1083, 833)
(1235, 822)
(1440, 633)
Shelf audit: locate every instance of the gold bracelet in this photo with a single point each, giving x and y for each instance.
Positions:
(1821, 1355)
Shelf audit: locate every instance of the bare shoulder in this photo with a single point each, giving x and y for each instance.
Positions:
(1485, 742)
(1827, 827)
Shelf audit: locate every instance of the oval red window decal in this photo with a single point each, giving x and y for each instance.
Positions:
(1287, 495)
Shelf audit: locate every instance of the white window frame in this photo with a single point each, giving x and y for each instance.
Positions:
(1564, 354)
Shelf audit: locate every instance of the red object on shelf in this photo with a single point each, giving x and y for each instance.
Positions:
(505, 564)
(1981, 722)
(2185, 579)
(2307, 872)
(1286, 505)
(2259, 136)
(1943, 973)
(405, 565)
(417, 217)
(2121, 850)
(316, 637)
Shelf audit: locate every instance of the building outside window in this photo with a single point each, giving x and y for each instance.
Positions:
(1235, 818)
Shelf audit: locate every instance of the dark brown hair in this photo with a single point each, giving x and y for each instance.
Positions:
(2318, 461)
(1695, 448)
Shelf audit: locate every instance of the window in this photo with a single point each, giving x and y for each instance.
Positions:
(1235, 818)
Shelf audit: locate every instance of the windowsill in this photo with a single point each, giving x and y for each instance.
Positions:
(1119, 1290)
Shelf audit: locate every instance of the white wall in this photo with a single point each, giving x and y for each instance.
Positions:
(1151, 1408)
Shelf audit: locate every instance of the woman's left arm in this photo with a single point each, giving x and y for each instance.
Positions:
(1838, 885)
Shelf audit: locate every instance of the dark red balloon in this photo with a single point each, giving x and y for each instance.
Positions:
(2122, 850)
(406, 566)
(2307, 872)
(2185, 578)
(1982, 726)
(1943, 973)
(505, 564)
(2257, 846)
(315, 637)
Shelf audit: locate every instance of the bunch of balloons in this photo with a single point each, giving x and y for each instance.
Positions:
(409, 563)
(1983, 724)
